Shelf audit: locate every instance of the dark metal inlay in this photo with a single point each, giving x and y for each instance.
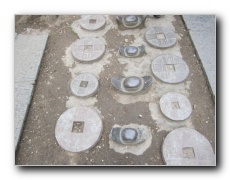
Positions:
(84, 84)
(129, 134)
(78, 127)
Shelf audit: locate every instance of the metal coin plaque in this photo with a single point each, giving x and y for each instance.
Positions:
(128, 136)
(130, 22)
(170, 68)
(88, 49)
(92, 22)
(160, 37)
(175, 106)
(132, 51)
(187, 147)
(132, 84)
(78, 129)
(84, 85)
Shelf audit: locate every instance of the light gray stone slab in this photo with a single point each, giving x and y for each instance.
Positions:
(175, 106)
(187, 147)
(84, 137)
(28, 52)
(22, 98)
(202, 30)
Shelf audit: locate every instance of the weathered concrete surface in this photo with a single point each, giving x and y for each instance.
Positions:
(202, 29)
(28, 52)
(38, 145)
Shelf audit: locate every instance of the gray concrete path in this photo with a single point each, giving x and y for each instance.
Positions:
(202, 30)
(28, 52)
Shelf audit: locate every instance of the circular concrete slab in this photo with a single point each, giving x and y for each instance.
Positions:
(88, 49)
(175, 106)
(92, 22)
(160, 37)
(84, 85)
(170, 68)
(78, 129)
(187, 147)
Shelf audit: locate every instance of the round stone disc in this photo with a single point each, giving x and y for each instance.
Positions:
(88, 49)
(78, 129)
(170, 68)
(160, 37)
(187, 147)
(92, 22)
(84, 85)
(175, 106)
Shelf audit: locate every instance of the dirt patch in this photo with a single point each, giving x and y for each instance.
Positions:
(52, 97)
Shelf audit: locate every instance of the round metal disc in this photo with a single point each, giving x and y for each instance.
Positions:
(175, 106)
(84, 85)
(160, 37)
(170, 68)
(187, 147)
(78, 129)
(92, 22)
(88, 49)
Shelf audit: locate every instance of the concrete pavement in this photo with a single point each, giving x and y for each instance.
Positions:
(202, 30)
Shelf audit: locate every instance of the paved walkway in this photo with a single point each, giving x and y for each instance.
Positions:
(202, 30)
(28, 54)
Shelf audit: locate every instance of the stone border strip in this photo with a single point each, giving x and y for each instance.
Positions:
(28, 52)
(202, 30)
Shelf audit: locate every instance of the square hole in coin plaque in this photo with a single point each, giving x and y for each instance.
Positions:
(88, 48)
(84, 84)
(160, 36)
(188, 152)
(175, 105)
(92, 21)
(78, 127)
(169, 67)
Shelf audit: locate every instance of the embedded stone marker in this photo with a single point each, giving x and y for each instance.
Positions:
(128, 135)
(160, 37)
(170, 68)
(88, 49)
(132, 51)
(175, 106)
(187, 147)
(78, 129)
(130, 21)
(84, 85)
(92, 22)
(132, 84)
